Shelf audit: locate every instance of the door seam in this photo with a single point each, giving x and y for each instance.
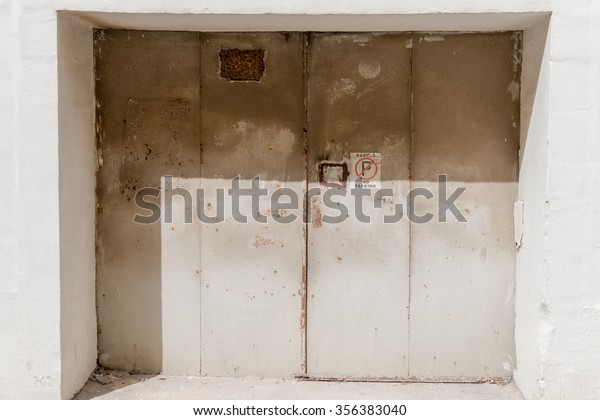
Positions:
(304, 314)
(410, 157)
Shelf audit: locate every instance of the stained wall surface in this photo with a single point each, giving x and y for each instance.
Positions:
(354, 299)
(147, 89)
(466, 126)
(359, 100)
(252, 272)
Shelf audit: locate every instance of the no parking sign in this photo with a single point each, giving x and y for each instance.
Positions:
(365, 170)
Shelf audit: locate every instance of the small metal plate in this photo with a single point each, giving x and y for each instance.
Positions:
(242, 65)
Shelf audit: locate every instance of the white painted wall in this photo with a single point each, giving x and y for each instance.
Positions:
(529, 326)
(570, 287)
(558, 295)
(30, 359)
(77, 179)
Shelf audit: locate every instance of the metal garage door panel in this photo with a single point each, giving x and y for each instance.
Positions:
(466, 118)
(147, 120)
(251, 297)
(358, 101)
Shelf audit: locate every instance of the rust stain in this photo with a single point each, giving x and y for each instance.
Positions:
(339, 169)
(303, 292)
(412, 380)
(259, 241)
(303, 296)
(316, 216)
(129, 188)
(242, 65)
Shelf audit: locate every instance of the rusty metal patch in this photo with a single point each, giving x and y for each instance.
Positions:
(242, 65)
(333, 175)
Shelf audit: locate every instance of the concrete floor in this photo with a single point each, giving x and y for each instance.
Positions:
(122, 386)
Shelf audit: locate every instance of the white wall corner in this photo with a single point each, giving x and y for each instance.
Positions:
(77, 177)
(530, 212)
(571, 291)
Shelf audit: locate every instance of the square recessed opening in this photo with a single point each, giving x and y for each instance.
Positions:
(75, 85)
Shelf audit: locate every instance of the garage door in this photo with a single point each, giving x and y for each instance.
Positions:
(397, 154)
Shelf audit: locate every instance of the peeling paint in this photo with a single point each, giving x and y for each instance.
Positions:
(342, 87)
(316, 215)
(259, 241)
(369, 68)
(253, 140)
(514, 88)
(433, 38)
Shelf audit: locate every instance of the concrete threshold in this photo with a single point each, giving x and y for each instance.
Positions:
(114, 385)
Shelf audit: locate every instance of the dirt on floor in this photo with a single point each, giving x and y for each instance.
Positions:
(104, 382)
(115, 385)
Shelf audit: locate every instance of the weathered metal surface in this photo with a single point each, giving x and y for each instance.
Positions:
(358, 101)
(252, 272)
(466, 118)
(147, 122)
(333, 175)
(240, 65)
(326, 300)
